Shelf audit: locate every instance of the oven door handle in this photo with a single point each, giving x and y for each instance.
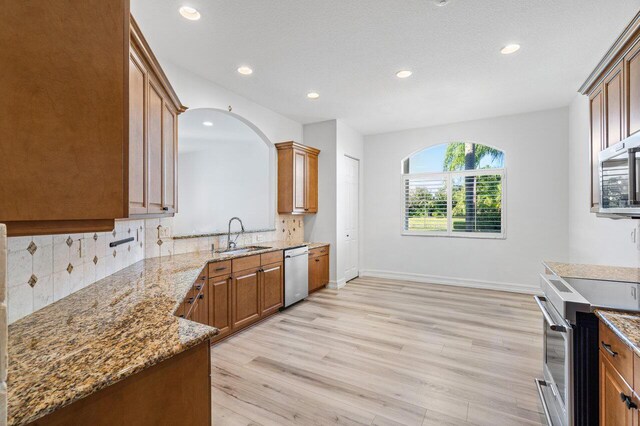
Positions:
(545, 407)
(547, 316)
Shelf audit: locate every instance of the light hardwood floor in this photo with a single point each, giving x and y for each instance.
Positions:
(384, 352)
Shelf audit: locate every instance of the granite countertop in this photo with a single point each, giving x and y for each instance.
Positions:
(595, 272)
(106, 332)
(626, 325)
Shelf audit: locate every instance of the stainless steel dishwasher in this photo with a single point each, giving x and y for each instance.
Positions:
(296, 275)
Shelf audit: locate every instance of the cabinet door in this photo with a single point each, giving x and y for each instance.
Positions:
(632, 90)
(203, 306)
(313, 274)
(299, 181)
(245, 293)
(613, 101)
(323, 271)
(311, 183)
(220, 304)
(272, 280)
(613, 410)
(169, 157)
(597, 136)
(137, 149)
(154, 146)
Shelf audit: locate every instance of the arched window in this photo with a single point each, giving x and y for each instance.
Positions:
(454, 189)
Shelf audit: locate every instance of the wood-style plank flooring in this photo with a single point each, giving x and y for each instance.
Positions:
(385, 352)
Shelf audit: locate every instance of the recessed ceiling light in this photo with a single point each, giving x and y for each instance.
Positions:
(244, 70)
(207, 123)
(404, 74)
(313, 95)
(190, 13)
(509, 49)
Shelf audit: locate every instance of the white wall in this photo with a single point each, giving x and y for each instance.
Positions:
(321, 227)
(334, 139)
(592, 239)
(536, 148)
(197, 92)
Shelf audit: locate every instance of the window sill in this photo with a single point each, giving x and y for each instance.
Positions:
(474, 236)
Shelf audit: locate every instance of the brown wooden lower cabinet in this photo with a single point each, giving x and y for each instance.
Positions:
(618, 404)
(271, 279)
(175, 391)
(619, 376)
(318, 268)
(245, 298)
(220, 304)
(233, 294)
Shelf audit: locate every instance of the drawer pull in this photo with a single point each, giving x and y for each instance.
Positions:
(628, 402)
(220, 268)
(608, 350)
(201, 296)
(317, 260)
(198, 287)
(190, 301)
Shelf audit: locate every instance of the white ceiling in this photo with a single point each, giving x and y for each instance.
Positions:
(349, 51)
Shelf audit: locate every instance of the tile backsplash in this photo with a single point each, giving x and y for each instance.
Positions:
(44, 269)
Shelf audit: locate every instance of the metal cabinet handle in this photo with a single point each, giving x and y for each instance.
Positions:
(628, 402)
(545, 407)
(220, 268)
(190, 301)
(201, 296)
(607, 349)
(166, 209)
(547, 316)
(198, 287)
(317, 260)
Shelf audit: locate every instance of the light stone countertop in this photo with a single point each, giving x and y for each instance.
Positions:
(594, 272)
(106, 332)
(626, 325)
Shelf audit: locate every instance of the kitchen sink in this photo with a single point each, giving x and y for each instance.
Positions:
(240, 250)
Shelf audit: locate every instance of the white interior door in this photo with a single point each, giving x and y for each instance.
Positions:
(351, 187)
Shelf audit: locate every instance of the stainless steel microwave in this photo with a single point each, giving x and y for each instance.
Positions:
(619, 184)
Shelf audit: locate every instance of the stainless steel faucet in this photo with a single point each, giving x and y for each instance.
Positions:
(229, 242)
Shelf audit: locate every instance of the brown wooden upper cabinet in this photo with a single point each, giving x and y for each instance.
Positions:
(297, 178)
(614, 99)
(153, 133)
(70, 109)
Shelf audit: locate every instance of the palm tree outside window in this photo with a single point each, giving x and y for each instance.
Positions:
(454, 189)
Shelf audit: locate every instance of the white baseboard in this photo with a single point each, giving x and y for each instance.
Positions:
(459, 282)
(336, 285)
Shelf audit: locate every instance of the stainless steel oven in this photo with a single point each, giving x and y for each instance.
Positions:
(556, 390)
(619, 166)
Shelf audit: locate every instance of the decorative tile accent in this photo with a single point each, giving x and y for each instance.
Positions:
(95, 260)
(69, 241)
(129, 248)
(115, 253)
(69, 268)
(33, 280)
(159, 242)
(114, 233)
(129, 231)
(95, 237)
(32, 247)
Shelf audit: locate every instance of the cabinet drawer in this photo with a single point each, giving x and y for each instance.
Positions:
(219, 268)
(616, 352)
(246, 262)
(319, 251)
(272, 257)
